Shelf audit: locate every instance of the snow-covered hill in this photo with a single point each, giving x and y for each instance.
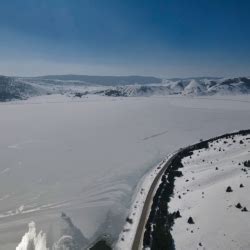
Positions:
(193, 87)
(78, 86)
(12, 88)
(212, 197)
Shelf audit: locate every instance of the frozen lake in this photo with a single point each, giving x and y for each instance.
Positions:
(85, 156)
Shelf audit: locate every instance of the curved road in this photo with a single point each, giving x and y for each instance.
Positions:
(138, 240)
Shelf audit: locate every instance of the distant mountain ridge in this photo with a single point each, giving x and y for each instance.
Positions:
(193, 87)
(103, 80)
(20, 88)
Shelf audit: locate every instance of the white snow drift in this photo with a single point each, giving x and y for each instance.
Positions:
(33, 241)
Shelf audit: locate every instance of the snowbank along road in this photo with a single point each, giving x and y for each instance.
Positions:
(213, 164)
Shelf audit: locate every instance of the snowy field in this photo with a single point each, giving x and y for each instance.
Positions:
(220, 221)
(85, 156)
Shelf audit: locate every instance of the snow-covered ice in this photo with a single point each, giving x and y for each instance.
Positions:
(86, 156)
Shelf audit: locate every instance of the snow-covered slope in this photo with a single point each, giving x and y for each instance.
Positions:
(220, 218)
(194, 87)
(13, 88)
